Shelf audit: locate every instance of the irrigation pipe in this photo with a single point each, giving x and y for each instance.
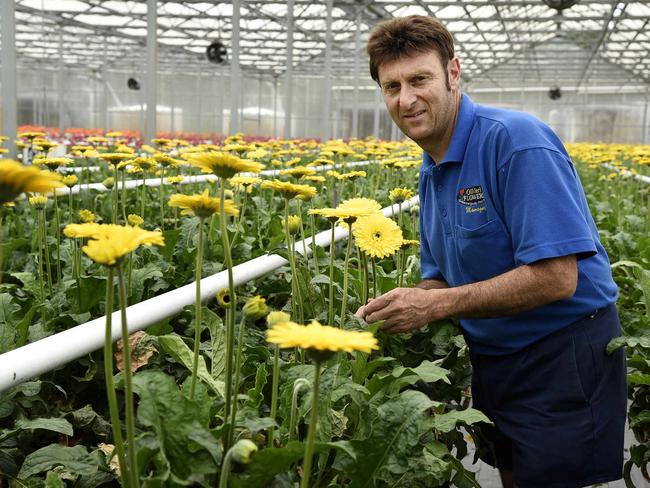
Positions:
(56, 350)
(627, 172)
(129, 184)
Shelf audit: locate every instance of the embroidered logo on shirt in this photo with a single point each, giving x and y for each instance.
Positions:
(471, 196)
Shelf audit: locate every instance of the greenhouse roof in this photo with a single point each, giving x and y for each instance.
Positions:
(502, 44)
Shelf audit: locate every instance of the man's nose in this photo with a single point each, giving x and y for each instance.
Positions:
(406, 96)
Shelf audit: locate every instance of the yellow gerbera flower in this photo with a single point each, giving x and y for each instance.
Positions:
(298, 172)
(16, 179)
(86, 216)
(202, 205)
(315, 178)
(290, 190)
(114, 134)
(38, 202)
(222, 164)
(174, 180)
(31, 135)
(70, 180)
(96, 140)
(144, 163)
(110, 243)
(398, 195)
(244, 182)
(255, 308)
(377, 235)
(114, 158)
(166, 160)
(44, 144)
(135, 220)
(52, 163)
(320, 337)
(365, 206)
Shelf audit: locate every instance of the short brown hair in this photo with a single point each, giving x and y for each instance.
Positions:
(405, 36)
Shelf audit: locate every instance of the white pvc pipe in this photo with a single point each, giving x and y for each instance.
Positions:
(56, 350)
(627, 172)
(129, 184)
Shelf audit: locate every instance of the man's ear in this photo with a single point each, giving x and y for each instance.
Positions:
(453, 72)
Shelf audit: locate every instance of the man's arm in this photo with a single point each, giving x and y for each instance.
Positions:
(518, 290)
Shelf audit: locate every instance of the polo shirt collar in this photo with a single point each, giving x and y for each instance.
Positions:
(459, 138)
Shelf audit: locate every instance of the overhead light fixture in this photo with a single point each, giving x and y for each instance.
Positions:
(133, 84)
(216, 52)
(555, 93)
(560, 5)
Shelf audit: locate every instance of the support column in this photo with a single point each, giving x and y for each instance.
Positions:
(288, 76)
(355, 97)
(199, 99)
(172, 106)
(275, 106)
(61, 84)
(104, 110)
(375, 121)
(151, 88)
(327, 103)
(8, 92)
(235, 72)
(259, 106)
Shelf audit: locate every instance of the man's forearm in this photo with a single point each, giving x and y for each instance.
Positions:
(432, 284)
(515, 291)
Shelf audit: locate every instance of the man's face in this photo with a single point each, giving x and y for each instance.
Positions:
(420, 95)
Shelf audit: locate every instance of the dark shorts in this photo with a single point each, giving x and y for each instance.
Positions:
(559, 406)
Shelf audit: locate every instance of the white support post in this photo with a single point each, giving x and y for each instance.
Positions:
(199, 100)
(275, 106)
(355, 96)
(235, 72)
(375, 120)
(288, 74)
(104, 110)
(151, 88)
(61, 84)
(327, 102)
(8, 85)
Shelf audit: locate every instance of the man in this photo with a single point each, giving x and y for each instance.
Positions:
(508, 246)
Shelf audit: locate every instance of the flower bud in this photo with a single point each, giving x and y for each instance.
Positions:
(69, 180)
(255, 308)
(135, 220)
(38, 202)
(223, 298)
(86, 216)
(243, 450)
(277, 317)
(294, 224)
(109, 182)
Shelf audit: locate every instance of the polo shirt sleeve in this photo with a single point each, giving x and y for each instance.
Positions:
(544, 206)
(429, 270)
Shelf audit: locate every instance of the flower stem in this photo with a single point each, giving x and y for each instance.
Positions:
(345, 276)
(2, 214)
(274, 390)
(298, 385)
(47, 253)
(235, 392)
(330, 311)
(311, 434)
(241, 220)
(124, 196)
(128, 384)
(162, 203)
(57, 233)
(374, 278)
(364, 273)
(230, 326)
(110, 386)
(197, 309)
(143, 195)
(115, 194)
(295, 284)
(225, 470)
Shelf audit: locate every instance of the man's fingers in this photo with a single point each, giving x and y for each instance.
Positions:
(376, 305)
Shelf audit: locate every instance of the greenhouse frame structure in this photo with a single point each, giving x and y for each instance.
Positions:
(297, 68)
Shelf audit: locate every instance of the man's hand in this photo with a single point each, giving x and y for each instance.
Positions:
(402, 310)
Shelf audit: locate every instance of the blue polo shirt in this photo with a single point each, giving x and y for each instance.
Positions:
(507, 194)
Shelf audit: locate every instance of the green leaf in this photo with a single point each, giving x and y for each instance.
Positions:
(218, 342)
(633, 342)
(447, 422)
(8, 322)
(174, 345)
(426, 371)
(268, 463)
(641, 418)
(638, 379)
(93, 291)
(181, 427)
(255, 395)
(62, 426)
(53, 480)
(75, 459)
(398, 425)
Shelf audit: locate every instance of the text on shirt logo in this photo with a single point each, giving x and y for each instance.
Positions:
(471, 196)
